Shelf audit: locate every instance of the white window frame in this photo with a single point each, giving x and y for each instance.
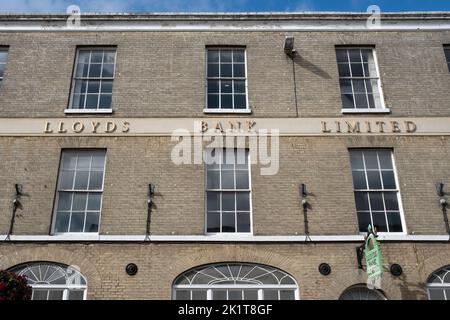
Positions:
(383, 108)
(65, 289)
(447, 49)
(4, 49)
(55, 209)
(235, 235)
(70, 109)
(247, 110)
(397, 190)
(259, 288)
(441, 286)
(214, 282)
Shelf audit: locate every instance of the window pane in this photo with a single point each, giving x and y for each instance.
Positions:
(242, 179)
(219, 294)
(270, 294)
(436, 294)
(64, 201)
(40, 294)
(95, 70)
(108, 70)
(347, 101)
(92, 101)
(79, 202)
(213, 86)
(66, 180)
(226, 70)
(106, 86)
(371, 160)
(341, 55)
(391, 201)
(362, 201)
(357, 70)
(98, 161)
(92, 220)
(213, 70)
(226, 101)
(243, 201)
(228, 201)
(82, 70)
(76, 295)
(287, 295)
(356, 160)
(385, 159)
(238, 56)
(395, 222)
(227, 179)
(55, 295)
(226, 86)
(376, 201)
(93, 87)
(105, 101)
(183, 295)
(213, 222)
(213, 201)
(109, 56)
(355, 55)
(361, 101)
(379, 221)
(81, 180)
(94, 201)
(225, 56)
(3, 56)
(213, 101)
(239, 86)
(363, 221)
(250, 294)
(228, 222)
(374, 179)
(77, 222)
(359, 86)
(213, 180)
(366, 54)
(96, 180)
(239, 70)
(243, 222)
(346, 86)
(97, 56)
(344, 70)
(213, 56)
(62, 222)
(235, 295)
(359, 180)
(198, 294)
(240, 101)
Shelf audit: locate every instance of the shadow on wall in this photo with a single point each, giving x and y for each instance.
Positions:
(302, 62)
(411, 291)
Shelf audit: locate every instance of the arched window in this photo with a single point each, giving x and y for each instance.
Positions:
(438, 284)
(361, 292)
(51, 281)
(235, 281)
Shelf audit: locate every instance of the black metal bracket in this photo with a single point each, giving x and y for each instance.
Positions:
(16, 205)
(150, 204)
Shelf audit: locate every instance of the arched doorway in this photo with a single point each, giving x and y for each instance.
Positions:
(361, 292)
(235, 281)
(52, 281)
(438, 284)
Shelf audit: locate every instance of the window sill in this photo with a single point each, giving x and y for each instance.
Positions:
(243, 237)
(385, 111)
(229, 111)
(88, 111)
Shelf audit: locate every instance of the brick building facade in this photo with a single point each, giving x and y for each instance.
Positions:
(113, 91)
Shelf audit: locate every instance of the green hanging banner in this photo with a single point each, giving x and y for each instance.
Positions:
(374, 261)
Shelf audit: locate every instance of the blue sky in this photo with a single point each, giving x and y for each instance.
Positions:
(220, 5)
